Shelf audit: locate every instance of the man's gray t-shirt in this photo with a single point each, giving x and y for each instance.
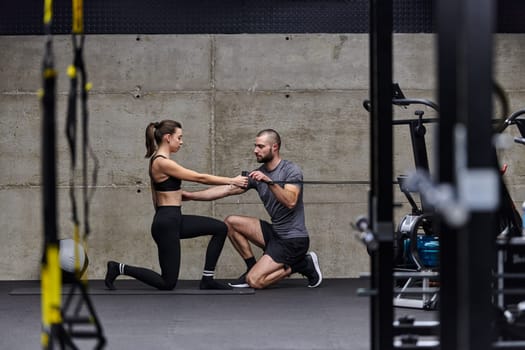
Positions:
(287, 223)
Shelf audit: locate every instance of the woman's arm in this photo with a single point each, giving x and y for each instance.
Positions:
(212, 193)
(172, 168)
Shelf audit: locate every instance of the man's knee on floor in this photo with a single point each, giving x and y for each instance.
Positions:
(255, 282)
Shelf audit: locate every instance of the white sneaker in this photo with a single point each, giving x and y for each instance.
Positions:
(315, 277)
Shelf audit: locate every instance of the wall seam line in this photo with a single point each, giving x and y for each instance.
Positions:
(212, 112)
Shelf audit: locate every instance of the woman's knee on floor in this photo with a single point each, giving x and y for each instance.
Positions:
(169, 284)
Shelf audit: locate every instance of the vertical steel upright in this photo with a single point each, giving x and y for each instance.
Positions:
(476, 242)
(448, 19)
(465, 97)
(381, 163)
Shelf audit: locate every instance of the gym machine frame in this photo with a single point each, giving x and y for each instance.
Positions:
(412, 269)
(464, 90)
(420, 219)
(384, 333)
(510, 245)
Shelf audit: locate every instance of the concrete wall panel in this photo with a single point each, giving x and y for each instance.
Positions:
(117, 125)
(223, 88)
(282, 62)
(508, 68)
(326, 134)
(414, 61)
(114, 63)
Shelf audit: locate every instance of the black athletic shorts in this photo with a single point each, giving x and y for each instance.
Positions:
(284, 251)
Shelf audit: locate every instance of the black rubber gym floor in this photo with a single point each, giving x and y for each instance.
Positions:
(285, 317)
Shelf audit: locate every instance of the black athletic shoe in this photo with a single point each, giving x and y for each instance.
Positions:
(210, 283)
(240, 282)
(111, 274)
(314, 275)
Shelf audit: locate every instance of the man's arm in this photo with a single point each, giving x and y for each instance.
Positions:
(288, 195)
(212, 193)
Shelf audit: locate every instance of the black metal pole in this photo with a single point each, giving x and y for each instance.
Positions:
(381, 195)
(476, 242)
(448, 19)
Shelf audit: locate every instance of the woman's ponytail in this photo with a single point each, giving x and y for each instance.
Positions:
(151, 146)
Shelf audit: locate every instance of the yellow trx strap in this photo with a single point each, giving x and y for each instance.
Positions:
(78, 19)
(51, 282)
(51, 278)
(54, 314)
(48, 12)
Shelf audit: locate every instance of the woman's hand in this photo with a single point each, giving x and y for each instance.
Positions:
(240, 181)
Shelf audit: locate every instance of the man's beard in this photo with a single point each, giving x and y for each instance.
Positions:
(266, 159)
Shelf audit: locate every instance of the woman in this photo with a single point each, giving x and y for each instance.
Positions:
(169, 225)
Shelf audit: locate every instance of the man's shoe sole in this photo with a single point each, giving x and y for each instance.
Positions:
(242, 285)
(317, 269)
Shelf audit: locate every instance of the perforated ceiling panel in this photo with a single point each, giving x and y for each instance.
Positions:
(23, 17)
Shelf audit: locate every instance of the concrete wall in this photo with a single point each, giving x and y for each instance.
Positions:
(223, 88)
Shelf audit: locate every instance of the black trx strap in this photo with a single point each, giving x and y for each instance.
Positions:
(71, 136)
(52, 327)
(71, 120)
(78, 309)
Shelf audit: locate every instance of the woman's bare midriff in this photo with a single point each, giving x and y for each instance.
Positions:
(169, 198)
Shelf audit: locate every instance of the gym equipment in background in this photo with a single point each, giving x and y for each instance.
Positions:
(510, 243)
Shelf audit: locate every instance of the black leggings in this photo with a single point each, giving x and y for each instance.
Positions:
(168, 228)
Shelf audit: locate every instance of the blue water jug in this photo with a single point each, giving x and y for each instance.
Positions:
(427, 249)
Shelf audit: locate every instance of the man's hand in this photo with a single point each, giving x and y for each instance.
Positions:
(260, 176)
(288, 195)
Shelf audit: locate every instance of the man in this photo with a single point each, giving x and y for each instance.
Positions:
(285, 241)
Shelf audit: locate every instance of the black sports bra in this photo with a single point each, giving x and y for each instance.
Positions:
(170, 184)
